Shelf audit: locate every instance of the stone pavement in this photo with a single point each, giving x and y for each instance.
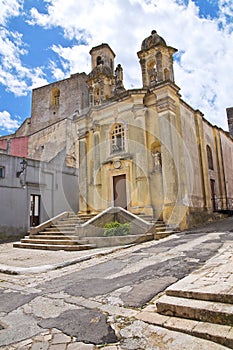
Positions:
(135, 328)
(27, 261)
(200, 304)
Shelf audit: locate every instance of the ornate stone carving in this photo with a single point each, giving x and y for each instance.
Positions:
(157, 162)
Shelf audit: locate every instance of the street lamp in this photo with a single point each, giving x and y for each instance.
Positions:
(23, 165)
(21, 174)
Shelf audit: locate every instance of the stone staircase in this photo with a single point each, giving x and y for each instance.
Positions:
(59, 233)
(204, 315)
(160, 229)
(56, 234)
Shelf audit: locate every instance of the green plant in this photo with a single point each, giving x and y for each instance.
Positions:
(115, 228)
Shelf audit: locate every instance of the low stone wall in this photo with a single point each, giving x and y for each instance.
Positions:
(114, 241)
(95, 226)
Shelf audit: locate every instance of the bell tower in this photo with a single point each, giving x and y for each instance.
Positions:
(101, 80)
(156, 60)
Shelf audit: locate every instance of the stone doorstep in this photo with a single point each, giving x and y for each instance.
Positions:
(200, 310)
(220, 334)
(209, 293)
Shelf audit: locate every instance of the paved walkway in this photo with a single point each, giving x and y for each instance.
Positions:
(142, 331)
(209, 288)
(27, 261)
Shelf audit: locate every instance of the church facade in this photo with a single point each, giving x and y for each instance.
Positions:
(144, 149)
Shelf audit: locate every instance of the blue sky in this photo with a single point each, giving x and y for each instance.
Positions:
(43, 41)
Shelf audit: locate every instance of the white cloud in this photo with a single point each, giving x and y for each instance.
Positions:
(57, 72)
(9, 8)
(17, 78)
(205, 69)
(78, 57)
(7, 122)
(226, 7)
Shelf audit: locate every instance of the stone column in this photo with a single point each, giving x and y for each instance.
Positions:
(140, 149)
(203, 162)
(83, 180)
(156, 185)
(221, 170)
(141, 182)
(176, 194)
(97, 174)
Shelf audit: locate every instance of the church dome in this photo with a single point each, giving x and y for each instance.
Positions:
(153, 40)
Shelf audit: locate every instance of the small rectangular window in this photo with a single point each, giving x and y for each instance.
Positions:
(2, 171)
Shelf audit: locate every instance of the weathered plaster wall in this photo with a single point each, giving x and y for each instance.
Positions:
(47, 143)
(210, 141)
(227, 156)
(192, 158)
(19, 147)
(73, 99)
(56, 185)
(3, 144)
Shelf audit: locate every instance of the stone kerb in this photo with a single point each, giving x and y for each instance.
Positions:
(95, 226)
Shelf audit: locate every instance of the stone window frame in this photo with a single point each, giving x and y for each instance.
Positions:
(117, 138)
(55, 97)
(209, 157)
(99, 60)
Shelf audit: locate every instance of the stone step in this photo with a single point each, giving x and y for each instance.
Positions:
(58, 233)
(200, 310)
(67, 222)
(59, 229)
(59, 237)
(217, 333)
(51, 228)
(159, 229)
(86, 217)
(75, 247)
(48, 241)
(158, 226)
(208, 293)
(162, 234)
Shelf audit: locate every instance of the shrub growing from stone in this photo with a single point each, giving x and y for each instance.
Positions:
(115, 228)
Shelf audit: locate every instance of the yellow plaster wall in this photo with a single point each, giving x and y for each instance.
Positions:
(192, 159)
(227, 154)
